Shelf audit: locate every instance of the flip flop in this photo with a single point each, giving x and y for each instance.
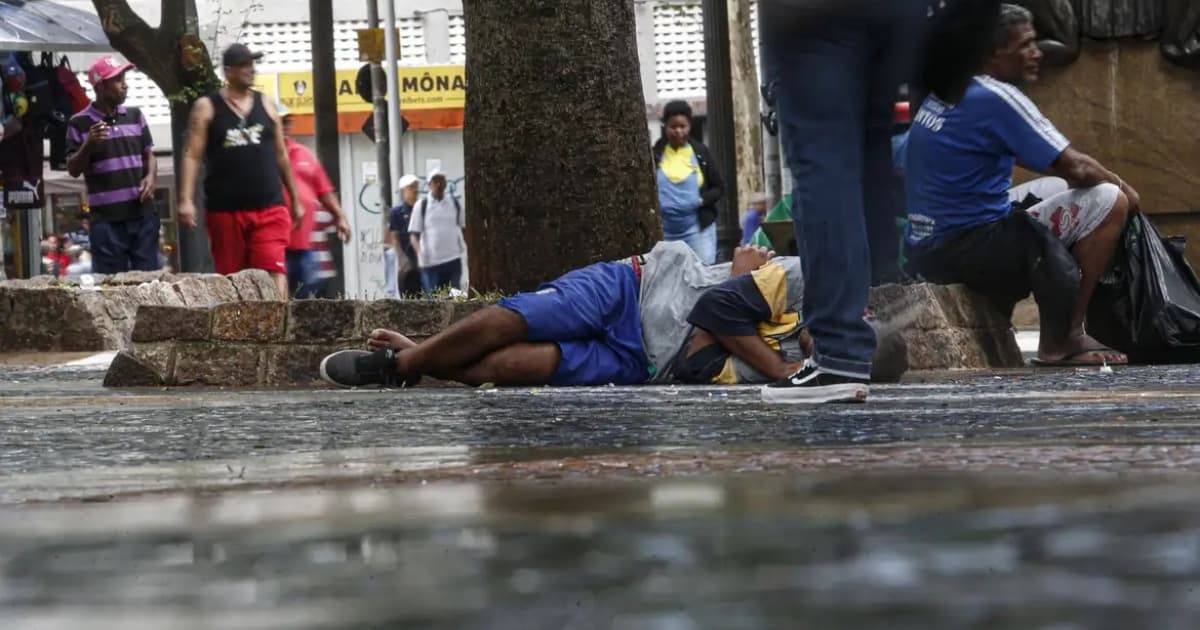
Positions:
(1071, 361)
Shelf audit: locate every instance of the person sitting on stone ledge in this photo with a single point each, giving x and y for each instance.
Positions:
(660, 318)
(965, 141)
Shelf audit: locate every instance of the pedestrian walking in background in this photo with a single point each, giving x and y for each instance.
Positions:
(436, 234)
(689, 184)
(316, 193)
(110, 145)
(407, 276)
(236, 132)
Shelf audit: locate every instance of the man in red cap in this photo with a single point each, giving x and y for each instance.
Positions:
(110, 145)
(238, 134)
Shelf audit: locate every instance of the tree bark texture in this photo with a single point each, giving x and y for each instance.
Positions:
(557, 150)
(747, 124)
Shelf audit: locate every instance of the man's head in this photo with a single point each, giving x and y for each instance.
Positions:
(1016, 58)
(409, 188)
(285, 117)
(437, 184)
(677, 118)
(239, 61)
(85, 224)
(107, 77)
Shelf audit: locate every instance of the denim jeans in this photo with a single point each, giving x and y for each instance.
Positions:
(445, 275)
(836, 87)
(304, 282)
(704, 243)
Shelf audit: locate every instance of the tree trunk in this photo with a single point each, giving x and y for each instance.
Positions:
(747, 124)
(557, 148)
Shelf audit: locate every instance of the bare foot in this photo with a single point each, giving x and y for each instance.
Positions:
(1082, 350)
(380, 338)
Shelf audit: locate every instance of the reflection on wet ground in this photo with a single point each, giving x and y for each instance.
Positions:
(907, 551)
(1029, 500)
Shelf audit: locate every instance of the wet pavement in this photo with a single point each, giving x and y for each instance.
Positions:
(1023, 500)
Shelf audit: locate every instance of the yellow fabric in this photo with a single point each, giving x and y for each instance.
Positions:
(679, 164)
(771, 280)
(728, 375)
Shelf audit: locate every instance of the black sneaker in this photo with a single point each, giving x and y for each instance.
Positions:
(812, 386)
(359, 368)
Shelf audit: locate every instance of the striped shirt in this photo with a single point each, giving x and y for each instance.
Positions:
(116, 165)
(323, 230)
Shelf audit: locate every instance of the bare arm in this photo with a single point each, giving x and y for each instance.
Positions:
(330, 202)
(415, 239)
(81, 158)
(1083, 171)
(197, 144)
(193, 154)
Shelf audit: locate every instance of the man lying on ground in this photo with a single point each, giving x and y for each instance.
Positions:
(662, 317)
(963, 146)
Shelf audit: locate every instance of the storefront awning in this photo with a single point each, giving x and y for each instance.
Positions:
(45, 25)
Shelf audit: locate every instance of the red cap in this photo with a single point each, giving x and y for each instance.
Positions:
(106, 68)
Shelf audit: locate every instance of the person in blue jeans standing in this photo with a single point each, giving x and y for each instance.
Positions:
(836, 68)
(689, 184)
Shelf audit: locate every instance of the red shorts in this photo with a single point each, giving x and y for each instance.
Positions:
(250, 239)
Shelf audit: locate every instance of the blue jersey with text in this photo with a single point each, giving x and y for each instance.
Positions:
(961, 157)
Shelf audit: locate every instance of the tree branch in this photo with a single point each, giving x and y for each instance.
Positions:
(172, 55)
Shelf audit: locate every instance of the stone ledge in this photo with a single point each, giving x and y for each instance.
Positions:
(922, 327)
(265, 344)
(55, 315)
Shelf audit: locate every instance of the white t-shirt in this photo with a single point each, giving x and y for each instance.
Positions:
(440, 225)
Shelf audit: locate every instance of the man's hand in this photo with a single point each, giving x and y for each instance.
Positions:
(747, 259)
(343, 230)
(1135, 200)
(297, 214)
(98, 132)
(186, 213)
(147, 188)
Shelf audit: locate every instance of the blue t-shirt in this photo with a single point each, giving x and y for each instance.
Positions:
(961, 157)
(398, 219)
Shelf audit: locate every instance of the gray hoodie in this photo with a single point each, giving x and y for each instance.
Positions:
(673, 279)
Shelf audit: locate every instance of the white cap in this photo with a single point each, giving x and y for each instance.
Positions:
(406, 181)
(435, 172)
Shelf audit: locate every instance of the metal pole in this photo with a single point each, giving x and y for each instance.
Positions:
(379, 97)
(325, 114)
(391, 53)
(720, 137)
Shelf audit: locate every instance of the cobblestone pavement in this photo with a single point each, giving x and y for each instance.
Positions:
(1020, 500)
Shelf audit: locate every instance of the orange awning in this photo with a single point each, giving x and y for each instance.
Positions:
(418, 119)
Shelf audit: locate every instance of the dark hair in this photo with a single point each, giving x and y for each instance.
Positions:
(676, 108)
(959, 43)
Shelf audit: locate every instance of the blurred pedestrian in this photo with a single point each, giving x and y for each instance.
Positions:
(407, 275)
(316, 192)
(689, 184)
(436, 233)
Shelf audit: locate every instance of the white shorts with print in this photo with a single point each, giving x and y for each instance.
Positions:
(1070, 213)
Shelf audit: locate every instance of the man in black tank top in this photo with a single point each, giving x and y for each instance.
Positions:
(238, 134)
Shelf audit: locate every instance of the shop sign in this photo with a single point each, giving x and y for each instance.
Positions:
(425, 87)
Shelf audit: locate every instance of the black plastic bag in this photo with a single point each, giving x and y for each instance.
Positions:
(1148, 305)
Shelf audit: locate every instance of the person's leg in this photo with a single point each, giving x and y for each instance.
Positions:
(1090, 222)
(295, 272)
(454, 272)
(270, 230)
(108, 248)
(144, 244)
(1043, 188)
(822, 93)
(227, 241)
